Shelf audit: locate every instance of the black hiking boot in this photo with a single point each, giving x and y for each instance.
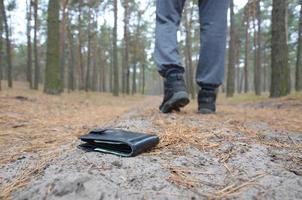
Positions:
(207, 100)
(175, 94)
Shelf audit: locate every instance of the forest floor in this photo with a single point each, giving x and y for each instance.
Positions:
(250, 149)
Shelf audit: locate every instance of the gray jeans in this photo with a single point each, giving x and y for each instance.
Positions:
(213, 31)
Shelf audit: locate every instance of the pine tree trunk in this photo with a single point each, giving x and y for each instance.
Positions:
(134, 78)
(94, 82)
(237, 70)
(1, 49)
(71, 60)
(144, 78)
(115, 61)
(102, 60)
(241, 81)
(95, 53)
(264, 78)
(188, 26)
(257, 44)
(37, 67)
(100, 72)
(126, 69)
(259, 48)
(111, 68)
(62, 42)
(80, 41)
(237, 45)
(136, 52)
(87, 82)
(103, 76)
(29, 44)
(246, 57)
(298, 83)
(8, 46)
(52, 73)
(280, 80)
(256, 75)
(143, 66)
(231, 64)
(185, 49)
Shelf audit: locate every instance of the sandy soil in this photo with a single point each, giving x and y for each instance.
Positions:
(248, 150)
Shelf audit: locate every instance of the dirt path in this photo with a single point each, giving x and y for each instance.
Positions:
(248, 150)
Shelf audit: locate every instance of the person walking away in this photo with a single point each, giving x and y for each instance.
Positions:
(210, 69)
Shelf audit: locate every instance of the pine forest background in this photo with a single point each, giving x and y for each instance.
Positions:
(107, 46)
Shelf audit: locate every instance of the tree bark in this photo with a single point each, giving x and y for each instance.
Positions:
(237, 45)
(134, 78)
(111, 85)
(71, 60)
(115, 61)
(80, 55)
(246, 57)
(231, 64)
(280, 81)
(29, 44)
(264, 78)
(188, 27)
(52, 73)
(144, 78)
(95, 53)
(103, 64)
(94, 81)
(37, 67)
(62, 42)
(241, 81)
(237, 73)
(143, 64)
(87, 82)
(298, 82)
(126, 68)
(8, 46)
(257, 45)
(1, 48)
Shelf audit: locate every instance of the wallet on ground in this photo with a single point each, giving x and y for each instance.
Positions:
(119, 142)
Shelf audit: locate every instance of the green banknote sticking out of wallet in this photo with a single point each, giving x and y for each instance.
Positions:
(118, 142)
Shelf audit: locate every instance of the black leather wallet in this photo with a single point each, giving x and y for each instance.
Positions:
(118, 142)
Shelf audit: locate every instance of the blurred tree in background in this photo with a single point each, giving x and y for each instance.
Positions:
(52, 73)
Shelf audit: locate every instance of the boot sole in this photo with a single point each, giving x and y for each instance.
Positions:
(178, 100)
(206, 111)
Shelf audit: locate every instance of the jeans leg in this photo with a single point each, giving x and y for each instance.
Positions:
(213, 33)
(168, 17)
